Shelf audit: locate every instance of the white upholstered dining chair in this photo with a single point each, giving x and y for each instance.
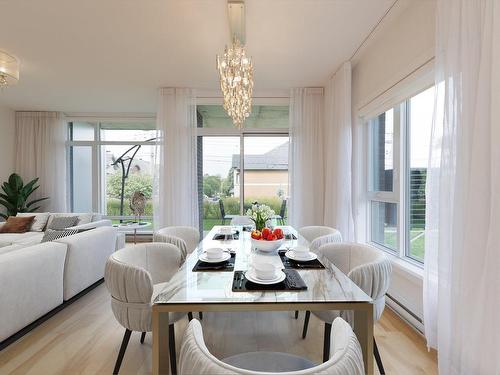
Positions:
(184, 237)
(320, 235)
(346, 358)
(134, 276)
(371, 270)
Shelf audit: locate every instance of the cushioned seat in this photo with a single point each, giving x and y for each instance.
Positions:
(346, 357)
(269, 361)
(185, 238)
(27, 238)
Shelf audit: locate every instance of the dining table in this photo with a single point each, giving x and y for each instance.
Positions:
(212, 291)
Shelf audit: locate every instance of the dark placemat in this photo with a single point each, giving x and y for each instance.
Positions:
(292, 282)
(290, 236)
(226, 266)
(290, 263)
(226, 237)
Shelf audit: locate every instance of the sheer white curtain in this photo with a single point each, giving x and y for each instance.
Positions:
(462, 258)
(175, 183)
(306, 157)
(337, 153)
(40, 152)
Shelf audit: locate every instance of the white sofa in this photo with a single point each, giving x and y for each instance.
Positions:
(13, 241)
(36, 278)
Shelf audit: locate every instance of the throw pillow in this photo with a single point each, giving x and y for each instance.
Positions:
(62, 222)
(17, 224)
(52, 235)
(40, 221)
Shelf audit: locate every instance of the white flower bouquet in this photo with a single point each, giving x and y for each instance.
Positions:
(260, 213)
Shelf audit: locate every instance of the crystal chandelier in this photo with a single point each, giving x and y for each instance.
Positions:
(9, 69)
(236, 82)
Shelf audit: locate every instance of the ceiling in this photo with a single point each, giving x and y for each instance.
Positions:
(111, 56)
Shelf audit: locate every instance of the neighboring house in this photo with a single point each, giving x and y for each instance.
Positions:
(266, 175)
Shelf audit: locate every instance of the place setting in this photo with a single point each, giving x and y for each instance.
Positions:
(299, 257)
(226, 233)
(215, 259)
(264, 275)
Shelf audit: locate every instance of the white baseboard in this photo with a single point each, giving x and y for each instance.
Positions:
(405, 314)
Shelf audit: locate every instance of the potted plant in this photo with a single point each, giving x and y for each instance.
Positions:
(15, 196)
(260, 213)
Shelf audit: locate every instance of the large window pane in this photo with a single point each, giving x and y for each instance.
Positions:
(262, 117)
(382, 151)
(82, 131)
(140, 177)
(384, 223)
(219, 179)
(81, 178)
(266, 172)
(419, 133)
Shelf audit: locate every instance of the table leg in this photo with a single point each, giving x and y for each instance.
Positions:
(363, 327)
(135, 236)
(161, 363)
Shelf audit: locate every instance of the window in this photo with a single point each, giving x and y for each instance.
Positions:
(397, 164)
(240, 167)
(100, 155)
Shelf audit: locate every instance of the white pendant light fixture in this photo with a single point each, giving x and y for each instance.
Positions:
(9, 69)
(236, 69)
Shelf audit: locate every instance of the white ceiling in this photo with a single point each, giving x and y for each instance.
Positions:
(112, 55)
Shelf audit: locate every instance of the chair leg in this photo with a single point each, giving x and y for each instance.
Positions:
(200, 314)
(171, 345)
(123, 347)
(377, 358)
(190, 316)
(306, 324)
(326, 343)
(296, 314)
(143, 336)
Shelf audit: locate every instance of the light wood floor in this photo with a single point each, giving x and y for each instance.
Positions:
(84, 338)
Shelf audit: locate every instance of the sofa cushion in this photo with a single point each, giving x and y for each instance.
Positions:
(39, 222)
(17, 224)
(51, 235)
(8, 249)
(83, 218)
(62, 222)
(28, 238)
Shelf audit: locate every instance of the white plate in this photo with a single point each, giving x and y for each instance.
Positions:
(225, 256)
(291, 254)
(250, 275)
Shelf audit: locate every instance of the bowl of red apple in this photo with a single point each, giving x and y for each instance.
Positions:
(267, 240)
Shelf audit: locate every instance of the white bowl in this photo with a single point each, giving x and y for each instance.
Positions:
(264, 271)
(214, 253)
(267, 246)
(301, 252)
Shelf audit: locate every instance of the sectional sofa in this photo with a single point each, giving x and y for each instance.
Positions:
(36, 278)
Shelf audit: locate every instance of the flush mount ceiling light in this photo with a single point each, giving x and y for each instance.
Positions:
(236, 69)
(9, 69)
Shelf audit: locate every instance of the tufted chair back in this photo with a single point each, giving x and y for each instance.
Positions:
(364, 264)
(130, 276)
(320, 235)
(185, 238)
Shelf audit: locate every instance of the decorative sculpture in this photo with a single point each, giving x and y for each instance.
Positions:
(138, 205)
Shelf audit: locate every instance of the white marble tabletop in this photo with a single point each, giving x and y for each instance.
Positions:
(324, 285)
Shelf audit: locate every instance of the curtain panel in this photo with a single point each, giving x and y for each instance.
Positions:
(41, 152)
(175, 183)
(306, 157)
(338, 153)
(462, 241)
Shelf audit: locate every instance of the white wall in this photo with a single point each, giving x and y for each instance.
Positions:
(402, 43)
(7, 130)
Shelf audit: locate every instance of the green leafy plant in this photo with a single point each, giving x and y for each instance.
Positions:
(15, 196)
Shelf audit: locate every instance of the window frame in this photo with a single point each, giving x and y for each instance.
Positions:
(98, 172)
(401, 167)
